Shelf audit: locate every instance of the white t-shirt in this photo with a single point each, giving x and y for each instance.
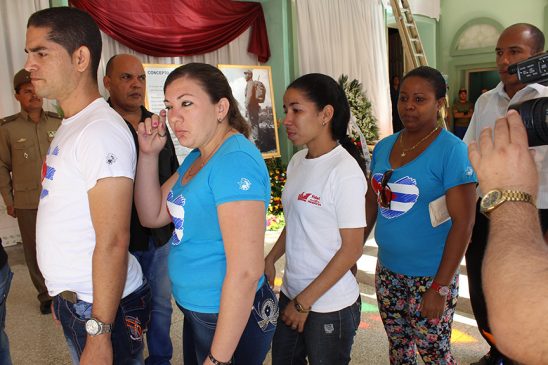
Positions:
(94, 144)
(321, 196)
(493, 105)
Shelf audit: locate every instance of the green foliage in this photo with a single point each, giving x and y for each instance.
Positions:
(361, 108)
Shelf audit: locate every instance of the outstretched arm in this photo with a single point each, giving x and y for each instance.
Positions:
(460, 202)
(242, 226)
(516, 259)
(110, 208)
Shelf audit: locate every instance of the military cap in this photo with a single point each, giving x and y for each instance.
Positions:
(20, 78)
(248, 71)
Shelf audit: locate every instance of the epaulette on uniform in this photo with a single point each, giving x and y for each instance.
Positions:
(11, 118)
(53, 115)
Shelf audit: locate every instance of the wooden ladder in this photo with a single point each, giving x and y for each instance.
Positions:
(412, 43)
(409, 34)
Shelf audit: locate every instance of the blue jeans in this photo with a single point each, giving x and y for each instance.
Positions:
(327, 337)
(199, 328)
(131, 322)
(154, 265)
(5, 281)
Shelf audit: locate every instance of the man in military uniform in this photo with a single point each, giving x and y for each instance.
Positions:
(24, 142)
(252, 105)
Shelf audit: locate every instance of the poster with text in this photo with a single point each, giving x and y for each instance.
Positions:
(156, 75)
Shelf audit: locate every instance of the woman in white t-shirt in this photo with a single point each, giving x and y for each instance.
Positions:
(323, 200)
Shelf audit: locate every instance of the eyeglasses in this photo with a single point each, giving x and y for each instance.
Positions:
(384, 196)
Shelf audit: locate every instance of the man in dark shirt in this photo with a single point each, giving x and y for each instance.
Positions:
(125, 80)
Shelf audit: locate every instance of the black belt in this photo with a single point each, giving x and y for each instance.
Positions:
(69, 296)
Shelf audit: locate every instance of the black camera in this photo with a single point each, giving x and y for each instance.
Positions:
(533, 112)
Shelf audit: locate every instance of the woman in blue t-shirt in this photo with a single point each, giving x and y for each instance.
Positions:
(424, 208)
(217, 201)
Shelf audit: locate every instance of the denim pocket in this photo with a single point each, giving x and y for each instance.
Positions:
(135, 310)
(266, 309)
(207, 320)
(355, 310)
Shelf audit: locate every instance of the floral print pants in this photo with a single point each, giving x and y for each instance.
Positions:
(399, 298)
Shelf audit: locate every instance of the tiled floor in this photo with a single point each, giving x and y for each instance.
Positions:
(36, 339)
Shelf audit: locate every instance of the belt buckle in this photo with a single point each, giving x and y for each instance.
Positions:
(69, 296)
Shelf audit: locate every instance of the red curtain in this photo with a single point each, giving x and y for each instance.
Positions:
(173, 28)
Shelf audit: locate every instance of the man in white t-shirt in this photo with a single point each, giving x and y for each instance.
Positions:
(516, 43)
(84, 211)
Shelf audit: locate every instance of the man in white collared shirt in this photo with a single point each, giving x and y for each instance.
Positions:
(516, 43)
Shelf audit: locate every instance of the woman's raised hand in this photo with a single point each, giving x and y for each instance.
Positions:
(152, 134)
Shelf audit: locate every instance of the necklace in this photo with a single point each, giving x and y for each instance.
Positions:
(203, 160)
(405, 150)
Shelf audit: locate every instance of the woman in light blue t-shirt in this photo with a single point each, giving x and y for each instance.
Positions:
(217, 201)
(424, 208)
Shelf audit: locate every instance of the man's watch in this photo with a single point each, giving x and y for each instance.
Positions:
(440, 289)
(495, 198)
(95, 327)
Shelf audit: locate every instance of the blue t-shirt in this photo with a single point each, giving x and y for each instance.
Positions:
(408, 244)
(197, 262)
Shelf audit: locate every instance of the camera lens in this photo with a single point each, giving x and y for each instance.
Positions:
(535, 118)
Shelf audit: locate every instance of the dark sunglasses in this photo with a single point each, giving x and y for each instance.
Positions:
(384, 196)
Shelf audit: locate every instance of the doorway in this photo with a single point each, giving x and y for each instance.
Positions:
(481, 79)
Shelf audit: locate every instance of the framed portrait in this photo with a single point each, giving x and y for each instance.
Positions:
(252, 89)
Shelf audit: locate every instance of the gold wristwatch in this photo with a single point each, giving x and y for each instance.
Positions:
(299, 307)
(495, 198)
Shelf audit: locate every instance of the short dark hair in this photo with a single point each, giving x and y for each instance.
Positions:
(536, 35)
(323, 90)
(432, 76)
(71, 28)
(216, 86)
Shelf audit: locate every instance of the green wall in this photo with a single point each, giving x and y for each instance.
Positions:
(427, 31)
(54, 3)
(279, 23)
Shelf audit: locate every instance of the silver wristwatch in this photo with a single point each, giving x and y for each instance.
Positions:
(95, 327)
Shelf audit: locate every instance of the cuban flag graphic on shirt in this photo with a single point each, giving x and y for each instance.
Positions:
(175, 205)
(405, 194)
(48, 172)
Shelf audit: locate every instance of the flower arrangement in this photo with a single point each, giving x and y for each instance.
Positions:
(275, 222)
(276, 170)
(361, 109)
